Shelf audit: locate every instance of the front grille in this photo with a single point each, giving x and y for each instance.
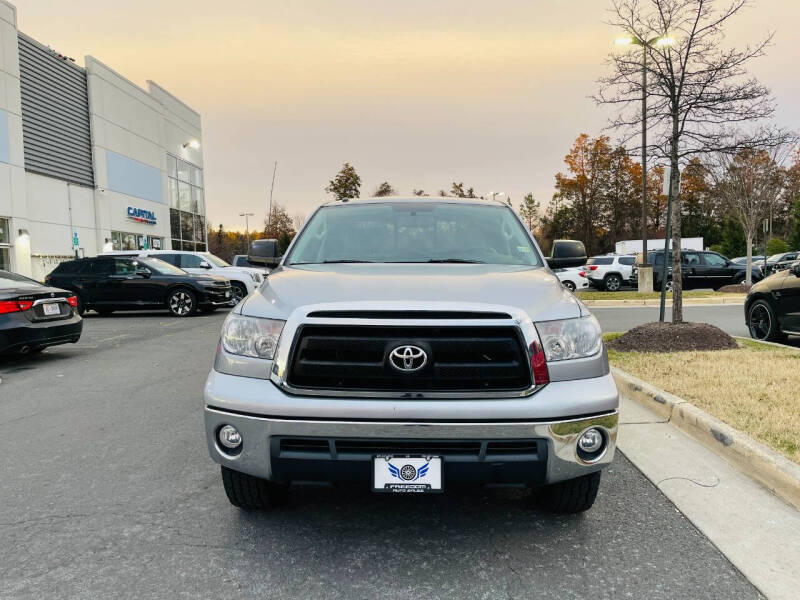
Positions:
(361, 449)
(468, 359)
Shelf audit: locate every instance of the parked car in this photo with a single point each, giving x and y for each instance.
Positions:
(772, 308)
(742, 260)
(34, 316)
(108, 283)
(383, 356)
(610, 271)
(699, 269)
(244, 280)
(784, 259)
(572, 278)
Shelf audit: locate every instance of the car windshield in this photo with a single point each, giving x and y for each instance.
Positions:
(776, 257)
(215, 260)
(161, 267)
(12, 280)
(414, 232)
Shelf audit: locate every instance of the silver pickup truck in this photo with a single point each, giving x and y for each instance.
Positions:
(406, 346)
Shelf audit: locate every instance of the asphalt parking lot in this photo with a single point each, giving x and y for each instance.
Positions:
(108, 492)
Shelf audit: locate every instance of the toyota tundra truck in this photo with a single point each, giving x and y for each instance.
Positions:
(407, 346)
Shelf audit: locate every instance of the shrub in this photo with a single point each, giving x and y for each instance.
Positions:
(776, 246)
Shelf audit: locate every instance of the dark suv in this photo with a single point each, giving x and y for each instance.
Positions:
(108, 283)
(772, 308)
(699, 269)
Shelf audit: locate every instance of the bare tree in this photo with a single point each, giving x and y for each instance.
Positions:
(700, 94)
(749, 183)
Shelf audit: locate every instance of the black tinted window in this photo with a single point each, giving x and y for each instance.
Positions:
(600, 260)
(714, 260)
(627, 260)
(568, 249)
(691, 259)
(68, 268)
(190, 261)
(173, 259)
(124, 266)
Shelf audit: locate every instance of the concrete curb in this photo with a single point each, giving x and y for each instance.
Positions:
(733, 299)
(773, 471)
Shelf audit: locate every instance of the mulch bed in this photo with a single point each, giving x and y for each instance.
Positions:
(669, 337)
(741, 288)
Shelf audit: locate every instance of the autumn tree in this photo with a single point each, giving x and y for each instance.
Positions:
(279, 226)
(529, 211)
(384, 189)
(346, 184)
(700, 90)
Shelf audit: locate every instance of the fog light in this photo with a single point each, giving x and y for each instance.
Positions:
(229, 437)
(591, 441)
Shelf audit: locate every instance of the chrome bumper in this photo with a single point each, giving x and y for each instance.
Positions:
(560, 436)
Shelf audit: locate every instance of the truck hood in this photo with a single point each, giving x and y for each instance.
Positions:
(532, 290)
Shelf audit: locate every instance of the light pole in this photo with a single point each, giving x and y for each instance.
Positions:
(660, 42)
(494, 195)
(246, 227)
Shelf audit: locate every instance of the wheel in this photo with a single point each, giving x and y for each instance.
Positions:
(571, 496)
(612, 283)
(181, 303)
(252, 493)
(239, 291)
(80, 309)
(763, 324)
(569, 285)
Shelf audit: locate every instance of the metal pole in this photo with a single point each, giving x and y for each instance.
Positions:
(271, 188)
(668, 236)
(246, 227)
(644, 153)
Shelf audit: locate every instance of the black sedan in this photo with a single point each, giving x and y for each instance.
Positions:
(772, 308)
(34, 316)
(109, 283)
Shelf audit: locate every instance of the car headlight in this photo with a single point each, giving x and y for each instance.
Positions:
(570, 338)
(251, 336)
(256, 277)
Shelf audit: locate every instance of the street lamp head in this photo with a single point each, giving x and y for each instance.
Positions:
(665, 41)
(625, 40)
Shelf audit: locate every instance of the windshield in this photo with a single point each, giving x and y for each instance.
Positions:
(776, 257)
(12, 280)
(161, 267)
(414, 233)
(215, 260)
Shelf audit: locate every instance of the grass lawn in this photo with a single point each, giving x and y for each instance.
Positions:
(633, 295)
(753, 388)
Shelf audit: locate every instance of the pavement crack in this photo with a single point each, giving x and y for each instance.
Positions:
(694, 481)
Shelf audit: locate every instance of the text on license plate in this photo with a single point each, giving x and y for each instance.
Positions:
(407, 474)
(51, 309)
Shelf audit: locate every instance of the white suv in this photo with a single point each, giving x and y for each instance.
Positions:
(610, 271)
(244, 280)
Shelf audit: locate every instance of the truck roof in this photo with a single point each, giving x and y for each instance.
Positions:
(417, 200)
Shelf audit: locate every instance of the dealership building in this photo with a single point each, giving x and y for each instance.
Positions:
(89, 161)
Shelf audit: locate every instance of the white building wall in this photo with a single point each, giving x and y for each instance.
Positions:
(12, 174)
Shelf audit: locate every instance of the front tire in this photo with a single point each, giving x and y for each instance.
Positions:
(612, 283)
(252, 493)
(569, 286)
(239, 291)
(763, 324)
(181, 303)
(570, 496)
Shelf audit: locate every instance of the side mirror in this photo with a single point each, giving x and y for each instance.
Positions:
(567, 253)
(144, 273)
(264, 252)
(204, 265)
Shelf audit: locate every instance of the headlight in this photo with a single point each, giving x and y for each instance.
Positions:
(570, 338)
(256, 277)
(250, 336)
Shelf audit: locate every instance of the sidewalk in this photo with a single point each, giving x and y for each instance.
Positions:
(754, 529)
(733, 299)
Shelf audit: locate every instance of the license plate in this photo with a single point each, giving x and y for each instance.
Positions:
(407, 474)
(51, 309)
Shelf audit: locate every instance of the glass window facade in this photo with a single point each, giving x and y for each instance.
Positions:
(5, 247)
(187, 207)
(135, 241)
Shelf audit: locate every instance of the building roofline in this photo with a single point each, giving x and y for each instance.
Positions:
(151, 83)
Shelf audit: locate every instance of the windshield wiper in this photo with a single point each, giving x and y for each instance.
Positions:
(332, 262)
(456, 260)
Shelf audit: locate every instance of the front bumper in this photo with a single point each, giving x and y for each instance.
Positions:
(553, 418)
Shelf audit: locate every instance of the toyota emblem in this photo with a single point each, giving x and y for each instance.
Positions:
(408, 359)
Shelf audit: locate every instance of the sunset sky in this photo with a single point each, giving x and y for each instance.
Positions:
(419, 93)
